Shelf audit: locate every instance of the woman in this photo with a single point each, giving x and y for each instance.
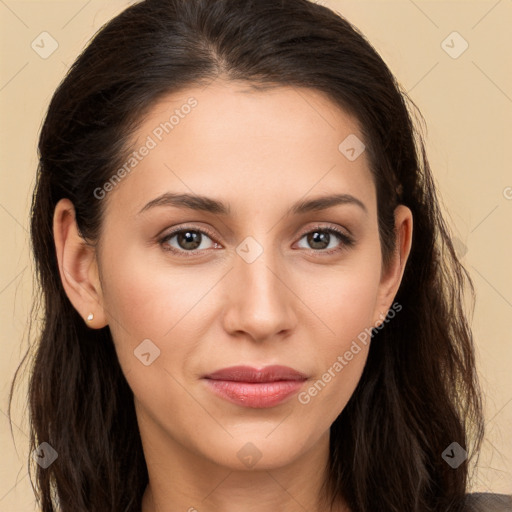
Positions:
(251, 300)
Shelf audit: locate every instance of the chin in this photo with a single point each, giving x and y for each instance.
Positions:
(259, 450)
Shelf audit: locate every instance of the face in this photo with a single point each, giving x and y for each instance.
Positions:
(258, 274)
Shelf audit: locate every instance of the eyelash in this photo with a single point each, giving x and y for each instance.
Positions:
(346, 240)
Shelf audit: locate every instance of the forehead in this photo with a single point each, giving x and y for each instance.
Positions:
(227, 139)
(234, 110)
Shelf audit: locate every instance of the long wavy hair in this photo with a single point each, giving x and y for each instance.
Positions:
(419, 390)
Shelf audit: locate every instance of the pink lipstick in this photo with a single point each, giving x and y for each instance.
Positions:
(249, 387)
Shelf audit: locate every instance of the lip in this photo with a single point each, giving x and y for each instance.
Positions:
(250, 387)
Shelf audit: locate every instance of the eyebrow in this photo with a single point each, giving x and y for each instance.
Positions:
(207, 204)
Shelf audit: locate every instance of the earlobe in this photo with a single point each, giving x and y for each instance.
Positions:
(77, 266)
(392, 276)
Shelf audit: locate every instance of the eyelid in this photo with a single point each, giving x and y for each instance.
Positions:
(327, 227)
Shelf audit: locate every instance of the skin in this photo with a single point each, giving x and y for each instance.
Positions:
(260, 152)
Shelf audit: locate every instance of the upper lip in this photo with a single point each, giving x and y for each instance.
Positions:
(250, 374)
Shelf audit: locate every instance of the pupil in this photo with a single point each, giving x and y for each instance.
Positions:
(318, 240)
(188, 238)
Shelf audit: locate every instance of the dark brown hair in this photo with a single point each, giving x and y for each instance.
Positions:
(418, 392)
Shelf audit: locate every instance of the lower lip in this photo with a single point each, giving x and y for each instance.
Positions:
(258, 394)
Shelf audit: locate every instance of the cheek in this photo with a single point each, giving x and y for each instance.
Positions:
(145, 301)
(148, 300)
(345, 298)
(346, 302)
(339, 359)
(158, 303)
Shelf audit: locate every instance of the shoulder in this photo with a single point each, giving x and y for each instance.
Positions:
(488, 502)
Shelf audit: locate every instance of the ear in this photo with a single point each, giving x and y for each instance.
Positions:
(77, 266)
(391, 276)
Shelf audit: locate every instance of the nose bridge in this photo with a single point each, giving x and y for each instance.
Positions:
(259, 302)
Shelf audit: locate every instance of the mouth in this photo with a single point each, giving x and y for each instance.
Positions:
(250, 387)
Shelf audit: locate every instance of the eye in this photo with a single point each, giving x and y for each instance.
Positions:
(190, 240)
(320, 239)
(187, 239)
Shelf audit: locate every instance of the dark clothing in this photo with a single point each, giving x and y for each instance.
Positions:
(489, 502)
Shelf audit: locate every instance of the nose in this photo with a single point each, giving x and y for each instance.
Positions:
(259, 300)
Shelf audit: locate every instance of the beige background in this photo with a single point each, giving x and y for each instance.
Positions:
(467, 103)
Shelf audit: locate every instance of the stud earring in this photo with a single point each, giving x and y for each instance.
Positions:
(90, 317)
